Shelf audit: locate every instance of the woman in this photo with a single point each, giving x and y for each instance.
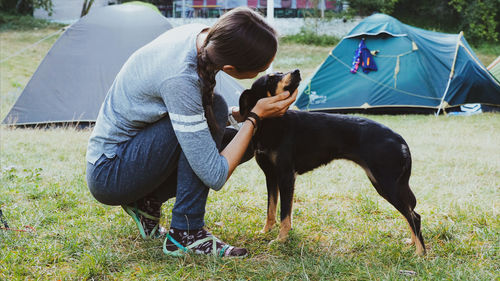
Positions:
(161, 126)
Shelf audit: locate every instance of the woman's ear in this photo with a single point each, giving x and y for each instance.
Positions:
(230, 70)
(247, 101)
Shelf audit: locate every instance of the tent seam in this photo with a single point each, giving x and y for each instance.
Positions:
(383, 85)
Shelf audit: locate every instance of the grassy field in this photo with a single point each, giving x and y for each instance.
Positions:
(343, 230)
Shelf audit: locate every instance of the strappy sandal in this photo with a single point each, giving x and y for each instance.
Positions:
(181, 251)
(135, 213)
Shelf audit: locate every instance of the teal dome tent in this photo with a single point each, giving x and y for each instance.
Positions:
(417, 71)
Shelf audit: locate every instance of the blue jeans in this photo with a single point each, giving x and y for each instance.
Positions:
(151, 164)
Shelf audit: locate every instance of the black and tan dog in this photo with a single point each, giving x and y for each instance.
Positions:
(283, 149)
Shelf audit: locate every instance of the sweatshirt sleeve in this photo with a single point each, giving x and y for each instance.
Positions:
(182, 98)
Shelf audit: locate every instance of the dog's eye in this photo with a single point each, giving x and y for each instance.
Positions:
(275, 78)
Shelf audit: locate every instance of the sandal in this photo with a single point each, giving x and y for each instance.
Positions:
(138, 216)
(225, 251)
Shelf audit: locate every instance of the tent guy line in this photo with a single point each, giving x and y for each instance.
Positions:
(365, 76)
(32, 45)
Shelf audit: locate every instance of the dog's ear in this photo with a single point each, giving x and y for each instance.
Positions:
(248, 99)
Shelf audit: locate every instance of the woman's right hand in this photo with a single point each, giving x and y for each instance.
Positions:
(274, 106)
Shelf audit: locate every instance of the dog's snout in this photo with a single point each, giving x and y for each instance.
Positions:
(296, 71)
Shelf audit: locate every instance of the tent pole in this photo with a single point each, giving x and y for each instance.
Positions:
(323, 7)
(270, 21)
(183, 9)
(452, 72)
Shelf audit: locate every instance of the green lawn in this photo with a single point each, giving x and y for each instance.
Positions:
(343, 230)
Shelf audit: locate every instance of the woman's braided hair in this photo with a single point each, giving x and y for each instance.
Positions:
(240, 38)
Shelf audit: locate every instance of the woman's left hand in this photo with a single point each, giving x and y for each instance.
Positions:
(235, 111)
(274, 106)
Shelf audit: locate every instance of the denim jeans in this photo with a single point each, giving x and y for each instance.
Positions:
(151, 164)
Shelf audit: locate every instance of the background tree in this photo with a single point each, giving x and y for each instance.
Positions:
(479, 18)
(368, 7)
(86, 7)
(26, 7)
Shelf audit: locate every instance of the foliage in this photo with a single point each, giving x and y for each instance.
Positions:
(309, 36)
(10, 21)
(26, 7)
(368, 7)
(479, 18)
(428, 14)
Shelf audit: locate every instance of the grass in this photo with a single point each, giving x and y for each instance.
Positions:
(343, 230)
(310, 37)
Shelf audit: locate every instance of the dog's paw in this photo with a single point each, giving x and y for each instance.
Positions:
(274, 242)
(408, 241)
(266, 229)
(279, 239)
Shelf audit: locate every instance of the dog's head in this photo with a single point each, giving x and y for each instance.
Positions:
(267, 86)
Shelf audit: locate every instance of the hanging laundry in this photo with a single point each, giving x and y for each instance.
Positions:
(363, 57)
(357, 57)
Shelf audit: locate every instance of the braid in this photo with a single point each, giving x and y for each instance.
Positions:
(240, 38)
(206, 71)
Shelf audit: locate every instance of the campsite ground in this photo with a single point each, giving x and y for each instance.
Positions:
(342, 228)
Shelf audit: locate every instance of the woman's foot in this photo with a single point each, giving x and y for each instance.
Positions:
(146, 213)
(199, 241)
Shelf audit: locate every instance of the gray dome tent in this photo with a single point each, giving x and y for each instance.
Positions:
(72, 80)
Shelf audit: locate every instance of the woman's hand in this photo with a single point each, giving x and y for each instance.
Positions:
(274, 106)
(268, 107)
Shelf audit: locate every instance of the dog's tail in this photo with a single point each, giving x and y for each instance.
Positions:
(404, 177)
(406, 155)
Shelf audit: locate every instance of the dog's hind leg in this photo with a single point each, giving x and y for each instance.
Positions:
(414, 221)
(408, 203)
(402, 198)
(390, 176)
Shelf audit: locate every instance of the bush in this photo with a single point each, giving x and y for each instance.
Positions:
(10, 21)
(368, 7)
(310, 37)
(25, 7)
(478, 19)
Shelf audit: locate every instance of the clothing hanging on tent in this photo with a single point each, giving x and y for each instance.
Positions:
(364, 58)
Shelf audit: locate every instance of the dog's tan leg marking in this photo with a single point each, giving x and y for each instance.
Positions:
(413, 236)
(269, 94)
(420, 250)
(271, 214)
(285, 227)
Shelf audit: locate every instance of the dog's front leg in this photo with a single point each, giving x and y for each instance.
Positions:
(286, 183)
(272, 201)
